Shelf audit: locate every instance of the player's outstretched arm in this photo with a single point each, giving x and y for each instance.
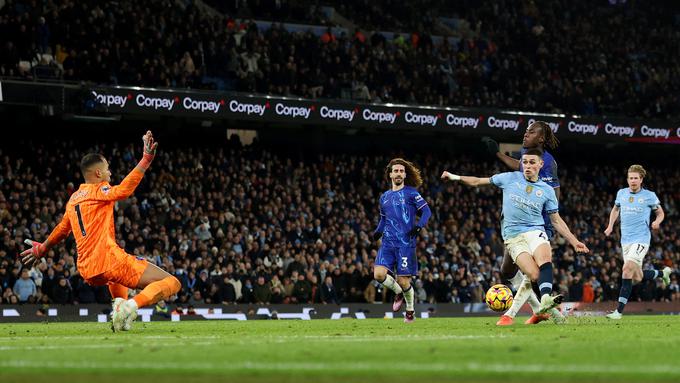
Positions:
(132, 180)
(563, 229)
(470, 181)
(613, 216)
(31, 256)
(150, 147)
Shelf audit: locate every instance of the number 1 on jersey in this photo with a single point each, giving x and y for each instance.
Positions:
(80, 221)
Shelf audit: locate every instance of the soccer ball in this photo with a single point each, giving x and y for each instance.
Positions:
(499, 297)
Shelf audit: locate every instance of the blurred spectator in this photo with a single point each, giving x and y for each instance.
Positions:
(547, 56)
(24, 287)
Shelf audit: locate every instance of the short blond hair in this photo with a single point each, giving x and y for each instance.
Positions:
(637, 169)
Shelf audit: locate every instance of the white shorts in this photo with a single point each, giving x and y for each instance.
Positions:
(526, 243)
(635, 252)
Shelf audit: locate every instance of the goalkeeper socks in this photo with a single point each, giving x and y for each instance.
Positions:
(118, 291)
(158, 290)
(545, 278)
(626, 289)
(391, 284)
(650, 274)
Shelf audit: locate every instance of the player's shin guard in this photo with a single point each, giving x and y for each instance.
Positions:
(545, 278)
(118, 291)
(391, 284)
(409, 296)
(158, 290)
(626, 289)
(650, 274)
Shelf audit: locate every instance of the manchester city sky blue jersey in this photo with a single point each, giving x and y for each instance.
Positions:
(524, 203)
(547, 174)
(635, 213)
(399, 209)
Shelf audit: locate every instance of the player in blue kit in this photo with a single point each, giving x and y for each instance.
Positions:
(634, 204)
(525, 198)
(537, 136)
(399, 230)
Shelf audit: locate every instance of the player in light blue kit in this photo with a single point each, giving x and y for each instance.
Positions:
(540, 136)
(634, 204)
(399, 230)
(525, 197)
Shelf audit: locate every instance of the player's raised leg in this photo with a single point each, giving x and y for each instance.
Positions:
(381, 273)
(156, 284)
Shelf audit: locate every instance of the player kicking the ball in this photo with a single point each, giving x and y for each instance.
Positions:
(89, 215)
(525, 197)
(537, 136)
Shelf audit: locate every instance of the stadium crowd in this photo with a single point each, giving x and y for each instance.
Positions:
(567, 56)
(250, 225)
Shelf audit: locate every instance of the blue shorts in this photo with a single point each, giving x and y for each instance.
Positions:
(401, 258)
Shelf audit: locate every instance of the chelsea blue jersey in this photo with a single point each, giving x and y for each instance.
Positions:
(398, 209)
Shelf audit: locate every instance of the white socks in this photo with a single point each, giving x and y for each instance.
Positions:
(524, 293)
(517, 281)
(391, 284)
(408, 296)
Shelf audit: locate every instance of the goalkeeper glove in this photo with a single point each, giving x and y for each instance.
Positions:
(149, 150)
(31, 256)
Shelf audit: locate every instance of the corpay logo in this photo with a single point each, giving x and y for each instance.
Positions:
(203, 106)
(656, 133)
(420, 119)
(554, 126)
(109, 99)
(293, 111)
(619, 130)
(154, 102)
(368, 115)
(463, 122)
(248, 109)
(583, 128)
(503, 124)
(336, 114)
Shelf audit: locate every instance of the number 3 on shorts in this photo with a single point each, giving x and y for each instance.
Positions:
(404, 262)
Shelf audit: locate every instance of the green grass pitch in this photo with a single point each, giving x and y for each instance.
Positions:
(638, 348)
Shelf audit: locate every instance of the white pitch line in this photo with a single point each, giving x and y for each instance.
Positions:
(245, 337)
(102, 346)
(349, 366)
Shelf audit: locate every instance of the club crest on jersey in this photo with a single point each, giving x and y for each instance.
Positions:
(641, 200)
(106, 189)
(631, 199)
(529, 189)
(539, 193)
